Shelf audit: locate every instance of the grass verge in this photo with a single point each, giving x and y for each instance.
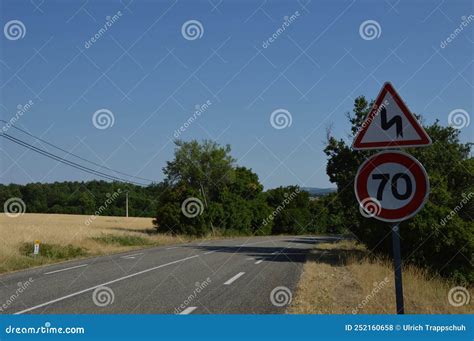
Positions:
(53, 251)
(122, 240)
(341, 278)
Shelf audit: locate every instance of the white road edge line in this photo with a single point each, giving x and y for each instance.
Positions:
(233, 279)
(259, 261)
(61, 270)
(188, 310)
(102, 284)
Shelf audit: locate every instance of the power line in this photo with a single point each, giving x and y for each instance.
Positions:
(77, 156)
(67, 162)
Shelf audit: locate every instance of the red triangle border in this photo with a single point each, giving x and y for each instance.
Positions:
(424, 141)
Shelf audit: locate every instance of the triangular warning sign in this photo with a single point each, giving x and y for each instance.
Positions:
(390, 124)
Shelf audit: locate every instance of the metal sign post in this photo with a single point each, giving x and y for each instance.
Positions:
(397, 265)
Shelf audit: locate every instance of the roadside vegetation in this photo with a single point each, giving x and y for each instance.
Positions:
(346, 278)
(53, 251)
(122, 240)
(206, 192)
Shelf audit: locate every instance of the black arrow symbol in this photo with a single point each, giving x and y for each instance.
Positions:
(397, 120)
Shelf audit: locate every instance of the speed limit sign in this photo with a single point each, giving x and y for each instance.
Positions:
(391, 186)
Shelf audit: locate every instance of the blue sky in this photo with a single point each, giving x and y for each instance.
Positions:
(150, 77)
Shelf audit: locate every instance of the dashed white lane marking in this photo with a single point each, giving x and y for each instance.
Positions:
(188, 310)
(172, 248)
(233, 279)
(102, 284)
(61, 270)
(132, 256)
(259, 261)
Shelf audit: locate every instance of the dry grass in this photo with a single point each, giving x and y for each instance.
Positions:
(63, 230)
(340, 278)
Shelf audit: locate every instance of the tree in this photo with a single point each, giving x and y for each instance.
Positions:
(84, 197)
(229, 198)
(202, 166)
(326, 215)
(291, 214)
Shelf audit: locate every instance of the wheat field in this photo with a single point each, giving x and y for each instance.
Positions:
(63, 229)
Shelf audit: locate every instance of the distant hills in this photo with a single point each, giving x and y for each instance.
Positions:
(317, 192)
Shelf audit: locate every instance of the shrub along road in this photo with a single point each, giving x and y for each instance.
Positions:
(240, 275)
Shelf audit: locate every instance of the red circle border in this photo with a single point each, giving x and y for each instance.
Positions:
(413, 165)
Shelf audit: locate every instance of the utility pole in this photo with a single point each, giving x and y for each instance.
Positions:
(126, 204)
(205, 203)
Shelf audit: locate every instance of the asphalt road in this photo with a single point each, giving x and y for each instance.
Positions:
(235, 276)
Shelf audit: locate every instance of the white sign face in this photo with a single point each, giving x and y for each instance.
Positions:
(391, 186)
(36, 249)
(390, 124)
